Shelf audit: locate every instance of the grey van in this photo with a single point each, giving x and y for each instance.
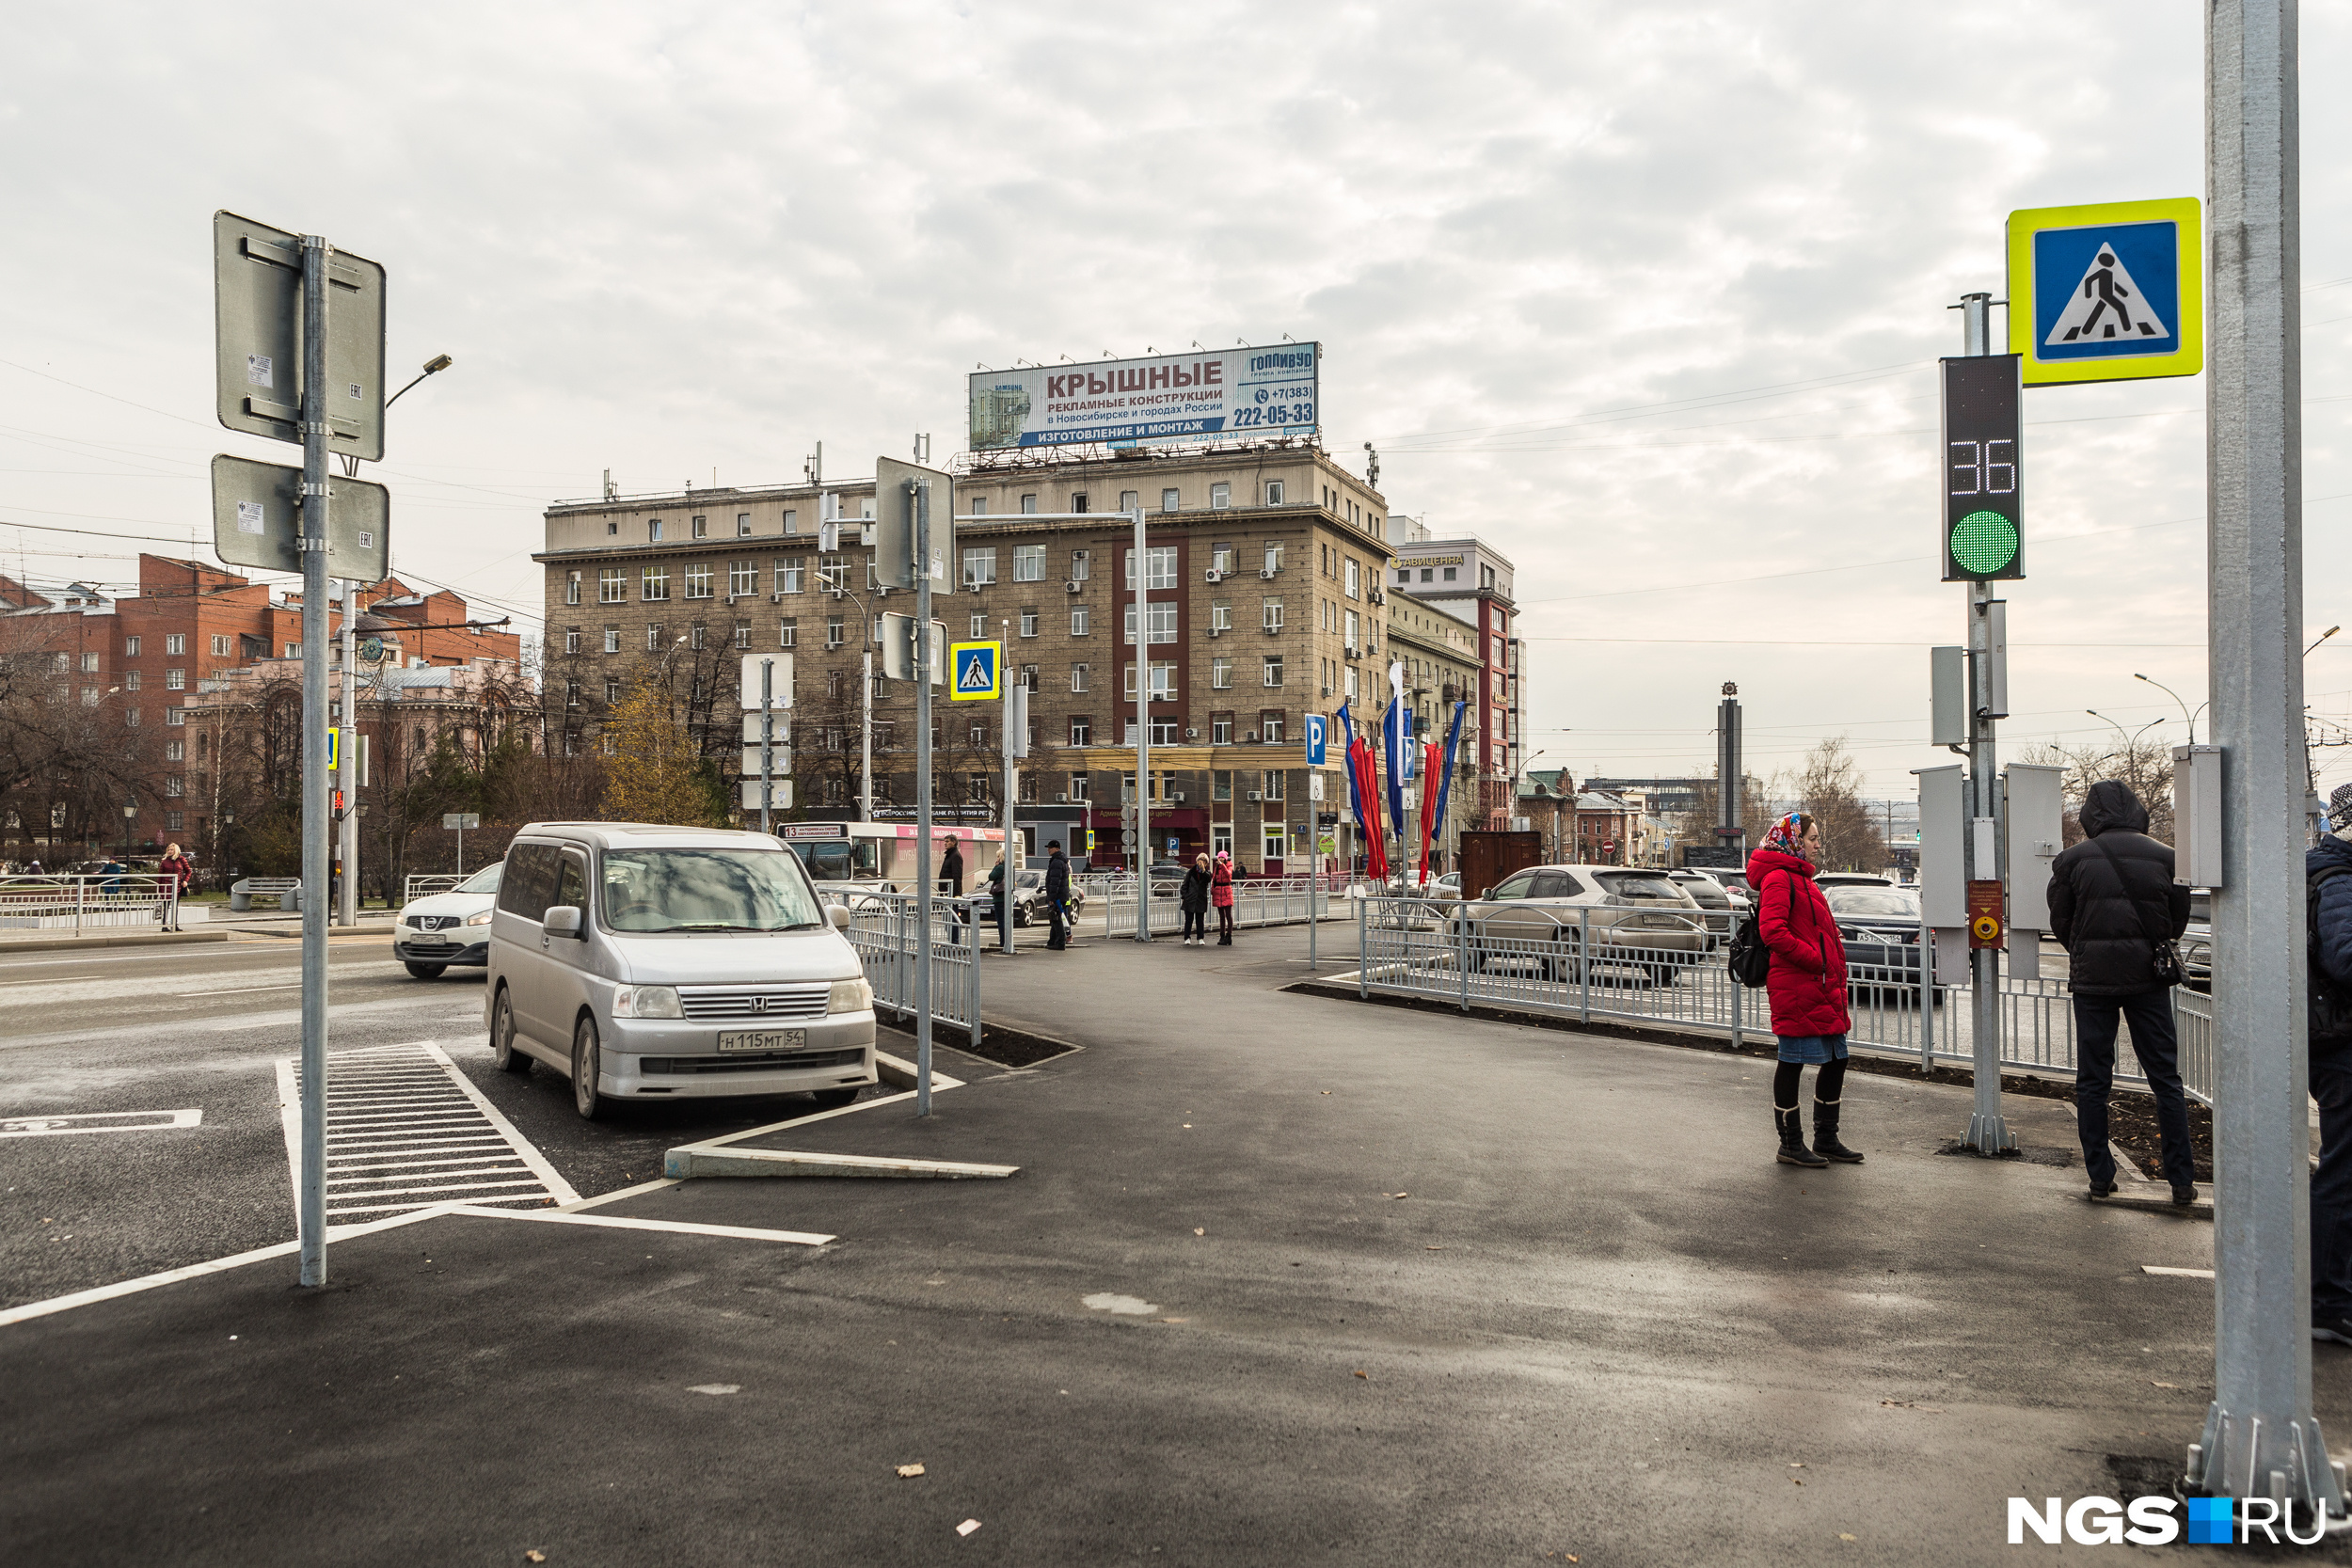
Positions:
(673, 963)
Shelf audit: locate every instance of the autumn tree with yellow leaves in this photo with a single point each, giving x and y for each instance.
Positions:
(652, 772)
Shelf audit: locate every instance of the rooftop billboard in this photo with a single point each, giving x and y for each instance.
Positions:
(1169, 397)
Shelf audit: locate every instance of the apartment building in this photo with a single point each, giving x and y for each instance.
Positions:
(1440, 653)
(1261, 597)
(1476, 582)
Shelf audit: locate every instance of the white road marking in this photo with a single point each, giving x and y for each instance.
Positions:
(2175, 1273)
(617, 1222)
(405, 1131)
(98, 1121)
(1131, 1307)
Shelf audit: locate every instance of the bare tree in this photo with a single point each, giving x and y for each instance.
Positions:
(1829, 786)
(2144, 766)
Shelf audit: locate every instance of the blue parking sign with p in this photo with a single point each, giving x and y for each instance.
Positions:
(1314, 740)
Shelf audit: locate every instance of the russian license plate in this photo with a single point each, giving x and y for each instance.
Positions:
(764, 1040)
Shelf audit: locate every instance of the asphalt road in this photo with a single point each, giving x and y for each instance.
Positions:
(1283, 1279)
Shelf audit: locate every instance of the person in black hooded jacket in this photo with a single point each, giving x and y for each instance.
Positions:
(2112, 900)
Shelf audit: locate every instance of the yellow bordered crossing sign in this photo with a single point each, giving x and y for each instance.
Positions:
(980, 672)
(2112, 292)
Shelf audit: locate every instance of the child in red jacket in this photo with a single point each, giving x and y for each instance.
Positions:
(1807, 987)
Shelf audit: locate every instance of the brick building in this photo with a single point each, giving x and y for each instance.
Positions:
(1262, 599)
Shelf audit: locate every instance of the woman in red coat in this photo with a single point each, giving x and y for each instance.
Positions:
(1221, 894)
(1807, 985)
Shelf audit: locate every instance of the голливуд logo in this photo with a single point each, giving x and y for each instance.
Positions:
(2157, 1522)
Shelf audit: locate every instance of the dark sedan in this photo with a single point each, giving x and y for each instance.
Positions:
(1881, 928)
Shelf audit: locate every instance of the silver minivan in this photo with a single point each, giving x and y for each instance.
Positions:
(673, 963)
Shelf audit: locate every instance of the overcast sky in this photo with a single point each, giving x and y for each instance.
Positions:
(1648, 296)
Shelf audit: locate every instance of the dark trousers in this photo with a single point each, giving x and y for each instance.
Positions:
(1224, 925)
(1196, 923)
(2331, 1185)
(1059, 938)
(2149, 1014)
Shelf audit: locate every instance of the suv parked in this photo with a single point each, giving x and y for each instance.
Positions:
(661, 962)
(1637, 918)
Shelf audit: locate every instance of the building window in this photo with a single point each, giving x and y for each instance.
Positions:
(174, 820)
(293, 650)
(130, 680)
(1168, 501)
(1081, 785)
(1159, 621)
(131, 717)
(571, 588)
(1449, 574)
(1028, 563)
(1130, 500)
(1029, 503)
(696, 635)
(1220, 615)
(1220, 496)
(1081, 621)
(1270, 731)
(1269, 842)
(1274, 669)
(1220, 673)
(176, 751)
(1028, 677)
(1273, 614)
(743, 634)
(979, 626)
(979, 567)
(571, 639)
(571, 693)
(1159, 567)
(90, 664)
(697, 580)
(1354, 585)
(976, 787)
(653, 530)
(1077, 677)
(1220, 729)
(1221, 784)
(788, 574)
(1078, 501)
(788, 633)
(1274, 555)
(833, 631)
(609, 588)
(175, 716)
(129, 647)
(1081, 733)
(653, 638)
(220, 644)
(1270, 781)
(1029, 623)
(654, 583)
(1164, 733)
(1081, 562)
(611, 639)
(1350, 622)
(1347, 682)
(792, 521)
(174, 642)
(742, 580)
(1274, 492)
(612, 528)
(1163, 681)
(743, 525)
(979, 506)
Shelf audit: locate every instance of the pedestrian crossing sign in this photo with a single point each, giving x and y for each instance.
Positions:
(979, 668)
(2111, 291)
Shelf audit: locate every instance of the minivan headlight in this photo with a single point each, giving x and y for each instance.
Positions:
(645, 1001)
(850, 996)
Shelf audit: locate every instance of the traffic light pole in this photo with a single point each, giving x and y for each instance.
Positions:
(1988, 1130)
(1143, 736)
(919, 497)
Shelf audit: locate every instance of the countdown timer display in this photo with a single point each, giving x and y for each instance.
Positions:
(1982, 474)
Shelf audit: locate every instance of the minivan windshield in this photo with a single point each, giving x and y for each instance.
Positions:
(653, 890)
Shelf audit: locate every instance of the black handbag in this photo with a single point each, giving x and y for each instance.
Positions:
(2166, 959)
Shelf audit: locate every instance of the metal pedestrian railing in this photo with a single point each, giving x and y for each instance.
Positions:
(417, 885)
(59, 901)
(884, 928)
(1669, 970)
(1268, 901)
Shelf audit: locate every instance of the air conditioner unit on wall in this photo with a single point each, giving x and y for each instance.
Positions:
(1252, 735)
(1061, 799)
(1192, 734)
(1213, 574)
(1177, 795)
(1073, 586)
(1253, 794)
(1267, 572)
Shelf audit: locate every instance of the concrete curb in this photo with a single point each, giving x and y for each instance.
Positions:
(143, 939)
(689, 1161)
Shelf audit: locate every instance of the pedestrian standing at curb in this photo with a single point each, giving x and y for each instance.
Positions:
(2327, 872)
(176, 866)
(1195, 901)
(2113, 907)
(1807, 988)
(1057, 895)
(1221, 894)
(951, 869)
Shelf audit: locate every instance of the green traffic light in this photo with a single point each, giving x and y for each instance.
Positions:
(1983, 543)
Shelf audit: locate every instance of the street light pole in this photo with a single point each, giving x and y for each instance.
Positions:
(2186, 714)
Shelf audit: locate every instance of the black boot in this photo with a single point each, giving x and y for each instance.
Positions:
(1792, 1150)
(1825, 1134)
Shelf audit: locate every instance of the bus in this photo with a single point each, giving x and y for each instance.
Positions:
(879, 857)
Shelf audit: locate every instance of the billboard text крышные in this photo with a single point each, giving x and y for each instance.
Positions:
(1171, 397)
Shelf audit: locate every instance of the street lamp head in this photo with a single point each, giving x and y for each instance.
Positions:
(439, 363)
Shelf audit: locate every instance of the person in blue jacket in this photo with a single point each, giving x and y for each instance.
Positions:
(2328, 870)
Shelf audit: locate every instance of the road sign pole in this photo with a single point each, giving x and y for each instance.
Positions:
(865, 732)
(2261, 1438)
(768, 739)
(316, 254)
(1143, 739)
(917, 496)
(1012, 718)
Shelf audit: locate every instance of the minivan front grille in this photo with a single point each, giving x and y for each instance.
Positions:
(708, 1002)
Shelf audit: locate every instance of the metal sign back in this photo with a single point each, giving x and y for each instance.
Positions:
(780, 682)
(257, 520)
(893, 529)
(257, 339)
